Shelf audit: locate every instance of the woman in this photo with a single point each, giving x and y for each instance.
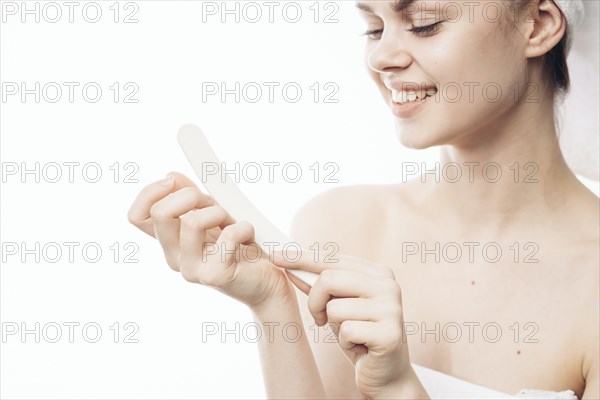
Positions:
(505, 237)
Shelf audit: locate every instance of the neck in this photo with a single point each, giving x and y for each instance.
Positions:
(524, 149)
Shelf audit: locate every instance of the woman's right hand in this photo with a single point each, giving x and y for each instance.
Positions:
(201, 240)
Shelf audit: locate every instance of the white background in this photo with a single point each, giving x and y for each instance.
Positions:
(168, 54)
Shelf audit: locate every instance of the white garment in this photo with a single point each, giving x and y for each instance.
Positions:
(541, 394)
(445, 387)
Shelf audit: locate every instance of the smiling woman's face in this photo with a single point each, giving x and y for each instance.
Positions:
(461, 48)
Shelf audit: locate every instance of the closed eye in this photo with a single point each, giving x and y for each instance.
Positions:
(425, 30)
(422, 31)
(373, 33)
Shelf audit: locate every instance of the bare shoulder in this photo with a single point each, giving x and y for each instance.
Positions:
(582, 215)
(350, 216)
(582, 238)
(577, 240)
(589, 334)
(346, 217)
(590, 312)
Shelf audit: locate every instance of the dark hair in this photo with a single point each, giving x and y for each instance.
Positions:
(555, 61)
(555, 64)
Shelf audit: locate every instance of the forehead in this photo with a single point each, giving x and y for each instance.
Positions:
(395, 5)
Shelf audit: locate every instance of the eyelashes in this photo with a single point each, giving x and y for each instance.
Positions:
(424, 30)
(373, 33)
(421, 31)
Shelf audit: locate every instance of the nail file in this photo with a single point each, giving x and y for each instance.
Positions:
(200, 154)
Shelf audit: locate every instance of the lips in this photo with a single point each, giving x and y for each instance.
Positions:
(406, 92)
(409, 109)
(408, 96)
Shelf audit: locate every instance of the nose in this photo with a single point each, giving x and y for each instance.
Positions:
(389, 52)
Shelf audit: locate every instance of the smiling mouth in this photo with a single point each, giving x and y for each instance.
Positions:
(411, 96)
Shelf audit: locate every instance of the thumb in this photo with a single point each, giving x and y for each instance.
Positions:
(181, 180)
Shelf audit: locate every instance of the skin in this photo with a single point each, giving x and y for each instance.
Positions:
(373, 288)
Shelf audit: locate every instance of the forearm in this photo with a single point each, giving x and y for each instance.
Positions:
(288, 365)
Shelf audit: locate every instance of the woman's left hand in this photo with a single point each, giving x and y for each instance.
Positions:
(363, 303)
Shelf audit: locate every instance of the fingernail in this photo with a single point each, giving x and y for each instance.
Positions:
(168, 181)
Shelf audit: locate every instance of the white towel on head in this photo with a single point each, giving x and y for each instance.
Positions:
(578, 115)
(573, 11)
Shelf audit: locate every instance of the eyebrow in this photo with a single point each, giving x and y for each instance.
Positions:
(397, 6)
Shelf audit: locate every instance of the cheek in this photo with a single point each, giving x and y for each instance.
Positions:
(373, 75)
(384, 93)
(475, 69)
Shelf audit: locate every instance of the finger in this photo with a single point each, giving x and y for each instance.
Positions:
(304, 260)
(378, 337)
(165, 219)
(192, 237)
(139, 212)
(337, 283)
(182, 181)
(219, 270)
(351, 335)
(313, 262)
(339, 310)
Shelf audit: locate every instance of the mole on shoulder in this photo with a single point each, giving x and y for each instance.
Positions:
(518, 352)
(472, 282)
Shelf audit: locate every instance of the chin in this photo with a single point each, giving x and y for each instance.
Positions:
(415, 138)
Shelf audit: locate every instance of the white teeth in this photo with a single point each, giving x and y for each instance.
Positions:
(408, 96)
